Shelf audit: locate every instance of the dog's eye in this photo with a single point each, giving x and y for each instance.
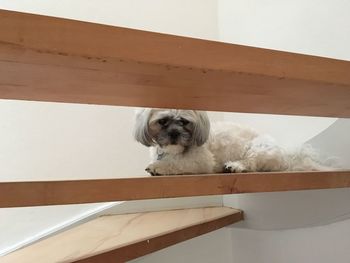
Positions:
(163, 121)
(184, 122)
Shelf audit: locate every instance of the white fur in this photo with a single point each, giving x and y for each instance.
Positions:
(231, 148)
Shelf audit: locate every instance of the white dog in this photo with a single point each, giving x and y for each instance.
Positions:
(182, 142)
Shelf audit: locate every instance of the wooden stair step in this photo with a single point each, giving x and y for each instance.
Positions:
(14, 194)
(119, 238)
(53, 59)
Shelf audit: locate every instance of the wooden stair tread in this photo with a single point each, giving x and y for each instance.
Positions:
(118, 238)
(60, 60)
(13, 194)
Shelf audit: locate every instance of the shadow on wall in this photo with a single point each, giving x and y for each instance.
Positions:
(335, 141)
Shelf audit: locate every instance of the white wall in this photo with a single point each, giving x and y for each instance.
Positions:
(315, 27)
(322, 244)
(195, 18)
(335, 141)
(48, 141)
(55, 141)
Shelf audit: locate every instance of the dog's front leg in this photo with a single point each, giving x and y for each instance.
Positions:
(189, 164)
(197, 160)
(164, 167)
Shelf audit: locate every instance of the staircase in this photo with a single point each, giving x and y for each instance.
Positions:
(59, 60)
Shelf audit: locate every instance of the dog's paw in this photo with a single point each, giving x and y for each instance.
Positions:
(235, 167)
(151, 171)
(157, 169)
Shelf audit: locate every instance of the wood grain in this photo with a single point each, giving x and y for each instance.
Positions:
(120, 238)
(14, 194)
(52, 59)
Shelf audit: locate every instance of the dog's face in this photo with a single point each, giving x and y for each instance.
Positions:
(182, 128)
(171, 128)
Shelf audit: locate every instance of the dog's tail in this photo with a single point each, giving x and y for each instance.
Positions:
(306, 158)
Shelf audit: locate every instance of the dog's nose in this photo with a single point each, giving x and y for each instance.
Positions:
(173, 134)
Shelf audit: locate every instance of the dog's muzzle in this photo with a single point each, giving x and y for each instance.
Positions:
(173, 135)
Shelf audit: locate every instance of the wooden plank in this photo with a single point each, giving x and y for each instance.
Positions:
(120, 238)
(14, 194)
(52, 59)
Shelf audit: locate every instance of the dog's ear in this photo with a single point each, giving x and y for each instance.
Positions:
(202, 128)
(141, 133)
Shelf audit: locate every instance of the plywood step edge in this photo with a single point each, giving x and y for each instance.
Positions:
(36, 193)
(120, 238)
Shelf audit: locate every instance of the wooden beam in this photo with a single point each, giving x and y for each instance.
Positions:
(14, 194)
(120, 238)
(60, 60)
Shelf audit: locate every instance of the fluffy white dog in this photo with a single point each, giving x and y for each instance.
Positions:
(182, 142)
